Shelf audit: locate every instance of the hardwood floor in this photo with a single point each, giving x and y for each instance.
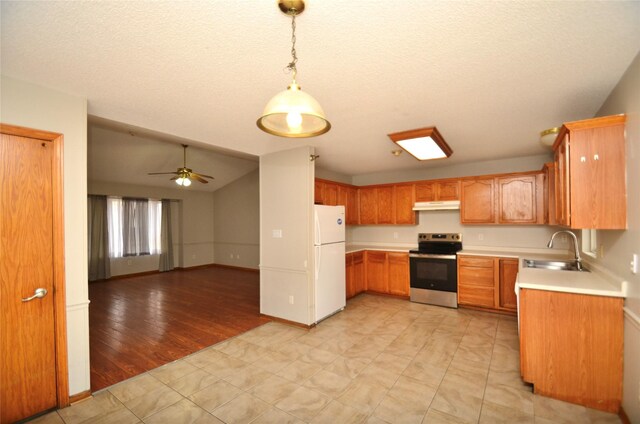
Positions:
(140, 323)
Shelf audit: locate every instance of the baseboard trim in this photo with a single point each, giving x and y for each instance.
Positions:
(623, 416)
(238, 268)
(492, 311)
(287, 322)
(79, 396)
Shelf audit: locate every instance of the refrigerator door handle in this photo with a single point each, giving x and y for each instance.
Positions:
(317, 261)
(318, 236)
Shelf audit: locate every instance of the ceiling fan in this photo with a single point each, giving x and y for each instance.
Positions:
(184, 175)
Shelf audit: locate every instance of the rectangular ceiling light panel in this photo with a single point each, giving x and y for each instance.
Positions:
(423, 143)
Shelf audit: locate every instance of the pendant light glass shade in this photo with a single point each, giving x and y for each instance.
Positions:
(293, 113)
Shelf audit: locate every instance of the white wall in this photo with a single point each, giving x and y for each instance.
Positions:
(33, 106)
(237, 222)
(620, 245)
(524, 236)
(333, 176)
(192, 225)
(286, 205)
(525, 163)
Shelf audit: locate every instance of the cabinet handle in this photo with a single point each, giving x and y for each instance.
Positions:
(583, 158)
(596, 157)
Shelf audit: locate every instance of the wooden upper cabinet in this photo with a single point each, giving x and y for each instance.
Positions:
(429, 191)
(521, 199)
(317, 192)
(330, 194)
(590, 156)
(477, 198)
(368, 205)
(398, 273)
(386, 205)
(508, 269)
(348, 197)
(404, 200)
(550, 193)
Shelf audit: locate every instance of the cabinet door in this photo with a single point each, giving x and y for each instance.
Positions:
(550, 193)
(519, 200)
(404, 213)
(425, 192)
(448, 190)
(368, 199)
(350, 288)
(352, 212)
(477, 201)
(597, 178)
(398, 273)
(562, 183)
(317, 192)
(359, 282)
(330, 194)
(377, 271)
(508, 273)
(386, 209)
(476, 281)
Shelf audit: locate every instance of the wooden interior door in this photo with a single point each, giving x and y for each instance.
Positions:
(29, 366)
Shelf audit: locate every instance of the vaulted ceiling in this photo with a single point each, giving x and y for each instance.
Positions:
(489, 75)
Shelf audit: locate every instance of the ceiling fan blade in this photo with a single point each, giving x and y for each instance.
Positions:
(162, 173)
(203, 176)
(174, 178)
(197, 177)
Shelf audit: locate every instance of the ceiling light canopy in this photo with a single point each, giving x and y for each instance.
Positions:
(423, 143)
(548, 137)
(293, 113)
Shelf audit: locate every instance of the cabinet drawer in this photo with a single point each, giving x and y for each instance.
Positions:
(476, 261)
(476, 276)
(477, 296)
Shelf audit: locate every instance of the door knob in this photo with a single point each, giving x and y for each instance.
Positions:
(39, 293)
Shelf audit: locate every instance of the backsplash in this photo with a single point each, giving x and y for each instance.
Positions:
(522, 236)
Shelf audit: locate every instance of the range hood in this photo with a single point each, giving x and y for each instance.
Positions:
(437, 206)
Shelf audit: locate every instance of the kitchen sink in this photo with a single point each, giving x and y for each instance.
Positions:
(554, 265)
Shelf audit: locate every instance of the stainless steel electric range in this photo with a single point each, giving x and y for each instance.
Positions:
(434, 276)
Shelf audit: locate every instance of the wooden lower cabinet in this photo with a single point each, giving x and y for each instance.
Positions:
(398, 273)
(377, 271)
(487, 282)
(376, 265)
(571, 347)
(355, 278)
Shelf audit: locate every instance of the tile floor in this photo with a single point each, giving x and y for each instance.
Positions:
(381, 360)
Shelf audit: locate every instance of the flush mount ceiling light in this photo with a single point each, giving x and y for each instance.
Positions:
(423, 143)
(548, 137)
(293, 113)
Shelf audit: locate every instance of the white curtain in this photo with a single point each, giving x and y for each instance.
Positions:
(134, 226)
(99, 265)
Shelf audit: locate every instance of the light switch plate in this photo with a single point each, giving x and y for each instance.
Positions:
(634, 264)
(276, 233)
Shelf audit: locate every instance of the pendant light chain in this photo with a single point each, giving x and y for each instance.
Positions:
(294, 57)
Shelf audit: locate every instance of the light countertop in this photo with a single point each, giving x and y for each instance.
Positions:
(597, 282)
(387, 247)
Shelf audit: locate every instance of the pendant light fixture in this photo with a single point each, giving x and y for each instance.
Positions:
(293, 113)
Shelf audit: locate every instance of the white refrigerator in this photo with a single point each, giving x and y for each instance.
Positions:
(329, 247)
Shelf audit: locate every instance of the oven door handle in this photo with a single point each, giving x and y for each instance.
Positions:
(430, 256)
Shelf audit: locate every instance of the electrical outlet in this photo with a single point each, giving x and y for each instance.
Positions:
(395, 234)
(276, 233)
(290, 300)
(480, 236)
(634, 263)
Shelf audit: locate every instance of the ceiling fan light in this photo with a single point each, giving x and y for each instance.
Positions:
(293, 113)
(179, 181)
(186, 182)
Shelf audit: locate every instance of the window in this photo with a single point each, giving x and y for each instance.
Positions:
(590, 242)
(134, 226)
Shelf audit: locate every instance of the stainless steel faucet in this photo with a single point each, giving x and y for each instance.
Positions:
(575, 246)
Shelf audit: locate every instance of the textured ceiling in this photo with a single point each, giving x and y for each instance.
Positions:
(490, 75)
